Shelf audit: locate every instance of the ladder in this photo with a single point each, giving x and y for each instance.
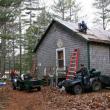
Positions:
(73, 66)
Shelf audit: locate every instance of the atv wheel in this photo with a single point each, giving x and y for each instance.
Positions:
(67, 89)
(19, 86)
(96, 86)
(39, 88)
(77, 89)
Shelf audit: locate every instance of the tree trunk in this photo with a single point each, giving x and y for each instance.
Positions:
(3, 53)
(13, 52)
(103, 18)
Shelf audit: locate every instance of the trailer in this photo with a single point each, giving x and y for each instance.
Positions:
(27, 84)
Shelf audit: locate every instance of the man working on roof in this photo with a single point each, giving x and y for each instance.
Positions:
(82, 27)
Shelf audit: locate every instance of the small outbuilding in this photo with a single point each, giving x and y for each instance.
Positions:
(61, 38)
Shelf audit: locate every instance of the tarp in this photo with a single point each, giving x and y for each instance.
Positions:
(2, 83)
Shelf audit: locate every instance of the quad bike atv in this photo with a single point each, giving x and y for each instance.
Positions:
(79, 84)
(27, 84)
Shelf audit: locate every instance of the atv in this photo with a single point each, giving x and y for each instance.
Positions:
(27, 84)
(79, 84)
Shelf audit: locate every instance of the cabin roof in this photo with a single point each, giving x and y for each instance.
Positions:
(95, 35)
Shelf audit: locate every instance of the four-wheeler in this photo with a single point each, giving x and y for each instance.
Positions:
(79, 84)
(27, 84)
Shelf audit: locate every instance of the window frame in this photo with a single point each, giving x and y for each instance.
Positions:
(64, 62)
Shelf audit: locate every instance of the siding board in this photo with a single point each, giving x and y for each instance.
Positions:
(99, 57)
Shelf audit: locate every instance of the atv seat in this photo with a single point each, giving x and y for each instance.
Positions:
(94, 73)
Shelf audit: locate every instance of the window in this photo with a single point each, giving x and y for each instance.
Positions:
(60, 57)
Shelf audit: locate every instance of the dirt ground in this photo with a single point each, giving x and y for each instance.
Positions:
(51, 99)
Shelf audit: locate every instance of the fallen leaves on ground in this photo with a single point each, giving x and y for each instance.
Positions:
(4, 97)
(51, 99)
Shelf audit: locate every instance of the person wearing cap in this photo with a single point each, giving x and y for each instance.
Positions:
(84, 73)
(83, 70)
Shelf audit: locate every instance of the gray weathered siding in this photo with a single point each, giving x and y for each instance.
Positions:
(46, 53)
(100, 58)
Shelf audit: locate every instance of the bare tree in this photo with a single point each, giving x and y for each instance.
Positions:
(60, 9)
(102, 11)
(66, 10)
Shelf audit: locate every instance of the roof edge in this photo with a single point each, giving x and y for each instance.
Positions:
(42, 36)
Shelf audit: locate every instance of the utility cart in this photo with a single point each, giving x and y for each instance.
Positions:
(27, 84)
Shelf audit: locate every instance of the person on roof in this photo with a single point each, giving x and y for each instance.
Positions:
(83, 27)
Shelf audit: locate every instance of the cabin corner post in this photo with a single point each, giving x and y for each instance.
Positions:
(88, 54)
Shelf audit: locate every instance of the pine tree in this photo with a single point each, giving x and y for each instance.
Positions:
(73, 10)
(33, 35)
(66, 10)
(8, 9)
(60, 9)
(102, 7)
